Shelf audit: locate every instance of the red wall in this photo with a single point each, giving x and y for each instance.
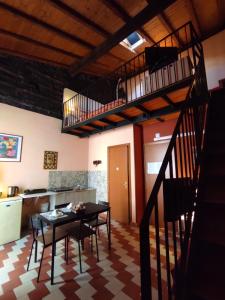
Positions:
(139, 172)
(164, 128)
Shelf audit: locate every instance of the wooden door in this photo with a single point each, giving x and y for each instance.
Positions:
(154, 153)
(118, 182)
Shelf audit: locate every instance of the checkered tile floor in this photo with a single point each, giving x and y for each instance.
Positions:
(115, 276)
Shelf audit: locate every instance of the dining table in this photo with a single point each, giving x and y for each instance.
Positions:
(72, 216)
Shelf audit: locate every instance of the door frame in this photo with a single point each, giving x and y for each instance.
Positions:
(129, 177)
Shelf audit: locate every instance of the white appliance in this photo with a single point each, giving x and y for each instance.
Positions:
(10, 219)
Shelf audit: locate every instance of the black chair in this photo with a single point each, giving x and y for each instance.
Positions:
(103, 219)
(46, 239)
(80, 232)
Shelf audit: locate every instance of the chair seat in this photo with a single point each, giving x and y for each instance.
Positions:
(81, 232)
(70, 226)
(93, 223)
(59, 235)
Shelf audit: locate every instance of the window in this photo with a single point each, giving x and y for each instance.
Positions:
(133, 41)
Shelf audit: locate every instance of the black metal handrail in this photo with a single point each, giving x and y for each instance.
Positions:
(133, 81)
(170, 209)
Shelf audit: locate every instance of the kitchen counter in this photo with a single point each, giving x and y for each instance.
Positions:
(62, 197)
(50, 193)
(24, 196)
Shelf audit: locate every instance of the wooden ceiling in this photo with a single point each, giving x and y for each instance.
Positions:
(66, 33)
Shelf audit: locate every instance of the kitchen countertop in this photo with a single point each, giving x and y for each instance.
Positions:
(49, 193)
(37, 195)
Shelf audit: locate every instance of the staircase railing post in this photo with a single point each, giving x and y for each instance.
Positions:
(145, 263)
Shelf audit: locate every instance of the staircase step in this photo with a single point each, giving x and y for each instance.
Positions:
(213, 190)
(215, 165)
(217, 96)
(210, 223)
(217, 104)
(195, 297)
(216, 148)
(216, 137)
(207, 274)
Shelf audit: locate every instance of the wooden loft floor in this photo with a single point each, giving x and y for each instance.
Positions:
(158, 106)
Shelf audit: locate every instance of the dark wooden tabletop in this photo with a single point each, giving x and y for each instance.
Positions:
(90, 209)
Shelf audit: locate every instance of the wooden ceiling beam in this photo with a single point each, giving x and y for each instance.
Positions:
(124, 116)
(24, 38)
(168, 100)
(107, 121)
(147, 112)
(55, 29)
(120, 12)
(46, 26)
(149, 12)
(95, 126)
(71, 12)
(221, 14)
(160, 119)
(169, 27)
(194, 15)
(84, 130)
(143, 109)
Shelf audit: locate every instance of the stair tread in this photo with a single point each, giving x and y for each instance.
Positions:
(214, 164)
(212, 240)
(205, 294)
(210, 223)
(203, 266)
(211, 191)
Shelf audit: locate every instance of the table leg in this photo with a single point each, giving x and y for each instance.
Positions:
(53, 255)
(109, 226)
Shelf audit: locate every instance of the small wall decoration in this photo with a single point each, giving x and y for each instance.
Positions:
(10, 147)
(50, 160)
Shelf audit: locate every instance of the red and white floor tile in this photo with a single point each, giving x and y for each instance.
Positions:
(115, 276)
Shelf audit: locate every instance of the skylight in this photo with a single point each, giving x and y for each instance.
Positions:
(133, 41)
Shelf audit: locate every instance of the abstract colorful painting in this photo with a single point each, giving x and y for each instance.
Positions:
(10, 147)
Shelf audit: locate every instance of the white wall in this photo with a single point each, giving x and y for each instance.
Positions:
(68, 94)
(98, 145)
(214, 52)
(39, 133)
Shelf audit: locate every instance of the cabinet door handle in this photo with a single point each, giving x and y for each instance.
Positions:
(8, 205)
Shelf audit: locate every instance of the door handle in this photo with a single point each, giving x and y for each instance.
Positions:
(125, 184)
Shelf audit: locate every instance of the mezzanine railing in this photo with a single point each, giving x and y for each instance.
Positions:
(133, 80)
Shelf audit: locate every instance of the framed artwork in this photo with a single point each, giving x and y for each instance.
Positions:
(10, 147)
(50, 160)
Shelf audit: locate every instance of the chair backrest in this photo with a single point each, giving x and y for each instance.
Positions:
(93, 218)
(103, 203)
(37, 226)
(105, 214)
